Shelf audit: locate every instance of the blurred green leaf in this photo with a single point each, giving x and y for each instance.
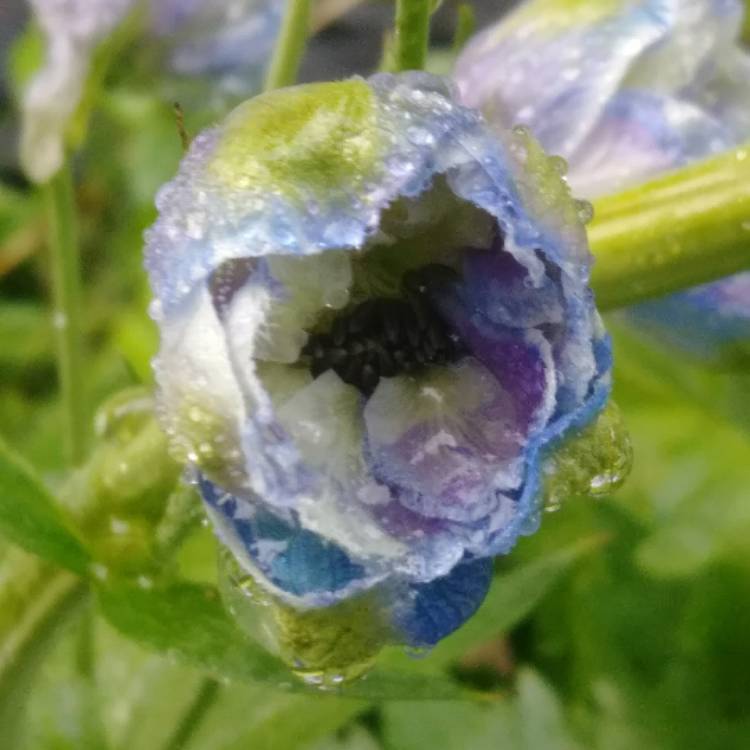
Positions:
(531, 720)
(36, 601)
(447, 725)
(541, 718)
(29, 518)
(246, 717)
(690, 491)
(26, 333)
(356, 739)
(189, 622)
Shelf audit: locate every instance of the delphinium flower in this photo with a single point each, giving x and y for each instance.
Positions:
(626, 90)
(225, 41)
(376, 328)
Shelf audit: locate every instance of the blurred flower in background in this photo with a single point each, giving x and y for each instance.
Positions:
(375, 326)
(625, 91)
(227, 42)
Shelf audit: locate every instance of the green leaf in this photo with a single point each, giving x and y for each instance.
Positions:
(29, 518)
(35, 603)
(531, 720)
(274, 721)
(449, 726)
(541, 720)
(26, 332)
(188, 621)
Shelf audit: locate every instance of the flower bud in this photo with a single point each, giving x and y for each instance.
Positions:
(375, 326)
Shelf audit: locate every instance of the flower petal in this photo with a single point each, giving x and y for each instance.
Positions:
(641, 135)
(72, 29)
(711, 321)
(553, 65)
(231, 41)
(431, 611)
(295, 563)
(450, 441)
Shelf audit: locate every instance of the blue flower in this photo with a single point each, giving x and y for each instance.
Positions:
(375, 326)
(226, 40)
(625, 90)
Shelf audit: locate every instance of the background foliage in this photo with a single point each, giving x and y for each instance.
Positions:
(623, 623)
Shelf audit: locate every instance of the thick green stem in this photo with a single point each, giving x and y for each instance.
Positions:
(686, 228)
(412, 33)
(204, 699)
(66, 292)
(290, 46)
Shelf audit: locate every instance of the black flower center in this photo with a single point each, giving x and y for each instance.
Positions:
(384, 337)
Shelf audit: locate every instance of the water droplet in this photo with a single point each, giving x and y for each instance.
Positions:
(559, 165)
(99, 571)
(118, 526)
(417, 652)
(585, 211)
(156, 311)
(420, 136)
(552, 503)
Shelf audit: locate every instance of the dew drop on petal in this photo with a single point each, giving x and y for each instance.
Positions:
(585, 211)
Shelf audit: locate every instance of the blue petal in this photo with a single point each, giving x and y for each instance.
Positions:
(293, 559)
(230, 41)
(433, 610)
(711, 322)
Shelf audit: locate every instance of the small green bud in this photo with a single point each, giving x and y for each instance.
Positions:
(118, 498)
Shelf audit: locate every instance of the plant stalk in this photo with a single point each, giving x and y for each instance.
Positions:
(412, 35)
(204, 699)
(66, 313)
(686, 228)
(290, 46)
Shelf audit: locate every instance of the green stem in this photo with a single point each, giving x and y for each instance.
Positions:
(466, 23)
(412, 33)
(686, 228)
(66, 292)
(290, 46)
(204, 699)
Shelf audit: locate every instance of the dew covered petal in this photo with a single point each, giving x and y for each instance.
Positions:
(450, 441)
(294, 562)
(403, 304)
(641, 135)
(429, 612)
(554, 64)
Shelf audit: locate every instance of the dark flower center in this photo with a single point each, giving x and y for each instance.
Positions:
(384, 337)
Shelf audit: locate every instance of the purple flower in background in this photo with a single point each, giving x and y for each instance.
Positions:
(625, 90)
(226, 41)
(375, 326)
